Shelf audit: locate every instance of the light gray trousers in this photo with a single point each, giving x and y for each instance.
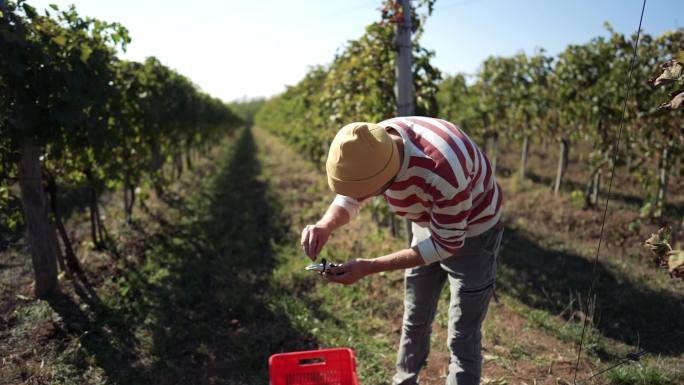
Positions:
(471, 273)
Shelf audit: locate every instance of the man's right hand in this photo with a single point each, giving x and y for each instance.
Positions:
(314, 238)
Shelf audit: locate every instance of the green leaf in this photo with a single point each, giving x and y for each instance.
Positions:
(54, 6)
(30, 11)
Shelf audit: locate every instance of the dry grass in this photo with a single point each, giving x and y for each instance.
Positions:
(209, 282)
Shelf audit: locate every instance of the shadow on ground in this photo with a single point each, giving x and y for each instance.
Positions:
(195, 309)
(628, 311)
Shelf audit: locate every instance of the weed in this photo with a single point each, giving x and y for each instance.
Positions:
(577, 199)
(638, 375)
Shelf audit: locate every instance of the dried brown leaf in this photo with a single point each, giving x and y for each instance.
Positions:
(673, 104)
(658, 244)
(672, 71)
(675, 263)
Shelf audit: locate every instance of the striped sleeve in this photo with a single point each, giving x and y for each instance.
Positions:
(448, 227)
(350, 204)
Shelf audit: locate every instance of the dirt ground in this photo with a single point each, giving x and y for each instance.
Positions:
(196, 293)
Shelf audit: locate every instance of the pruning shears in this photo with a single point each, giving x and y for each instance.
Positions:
(323, 267)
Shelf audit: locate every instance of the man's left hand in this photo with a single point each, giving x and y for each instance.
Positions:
(349, 272)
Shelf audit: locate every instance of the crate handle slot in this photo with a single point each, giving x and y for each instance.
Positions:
(311, 361)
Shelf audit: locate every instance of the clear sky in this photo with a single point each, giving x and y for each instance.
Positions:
(254, 48)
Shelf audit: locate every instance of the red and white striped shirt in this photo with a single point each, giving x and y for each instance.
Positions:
(445, 183)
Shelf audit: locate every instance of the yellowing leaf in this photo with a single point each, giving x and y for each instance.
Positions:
(59, 40)
(85, 53)
(680, 57)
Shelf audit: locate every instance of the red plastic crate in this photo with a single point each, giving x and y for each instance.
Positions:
(314, 367)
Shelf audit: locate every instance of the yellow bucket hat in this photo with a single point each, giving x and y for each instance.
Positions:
(362, 159)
